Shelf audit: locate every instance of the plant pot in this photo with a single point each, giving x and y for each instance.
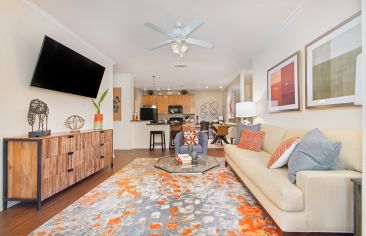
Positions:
(98, 121)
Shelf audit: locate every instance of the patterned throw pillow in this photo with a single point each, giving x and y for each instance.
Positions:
(191, 137)
(240, 127)
(280, 157)
(251, 140)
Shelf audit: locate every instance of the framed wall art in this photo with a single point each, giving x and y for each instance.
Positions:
(231, 105)
(331, 65)
(283, 85)
(117, 116)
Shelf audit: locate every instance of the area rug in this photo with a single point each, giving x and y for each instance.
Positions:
(142, 200)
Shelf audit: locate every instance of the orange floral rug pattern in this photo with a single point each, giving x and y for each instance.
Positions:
(142, 200)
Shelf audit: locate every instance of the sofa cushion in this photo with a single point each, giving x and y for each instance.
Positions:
(191, 137)
(274, 183)
(314, 152)
(279, 158)
(251, 140)
(273, 138)
(241, 127)
(350, 156)
(351, 151)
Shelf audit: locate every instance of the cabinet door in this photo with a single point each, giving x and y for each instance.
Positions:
(70, 143)
(106, 154)
(50, 147)
(106, 136)
(171, 100)
(146, 100)
(162, 104)
(178, 100)
(22, 169)
(185, 104)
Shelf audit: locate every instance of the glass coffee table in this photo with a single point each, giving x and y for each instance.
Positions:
(194, 179)
(204, 164)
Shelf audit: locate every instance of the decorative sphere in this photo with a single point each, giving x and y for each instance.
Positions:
(74, 123)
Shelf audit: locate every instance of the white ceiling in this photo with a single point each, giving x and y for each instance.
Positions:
(116, 27)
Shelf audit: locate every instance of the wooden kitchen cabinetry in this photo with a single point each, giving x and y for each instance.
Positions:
(163, 101)
(37, 168)
(162, 104)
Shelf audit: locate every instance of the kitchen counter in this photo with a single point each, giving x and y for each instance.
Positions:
(158, 124)
(140, 137)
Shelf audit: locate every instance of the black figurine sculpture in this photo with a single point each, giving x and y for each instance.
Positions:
(39, 109)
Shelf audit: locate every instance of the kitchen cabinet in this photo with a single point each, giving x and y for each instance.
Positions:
(162, 104)
(163, 101)
(188, 104)
(149, 100)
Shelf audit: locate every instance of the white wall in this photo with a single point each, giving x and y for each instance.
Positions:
(122, 129)
(364, 117)
(233, 86)
(317, 18)
(203, 96)
(21, 35)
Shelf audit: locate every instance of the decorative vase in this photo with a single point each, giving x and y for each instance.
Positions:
(98, 121)
(194, 157)
(190, 149)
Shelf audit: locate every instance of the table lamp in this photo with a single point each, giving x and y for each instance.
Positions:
(246, 110)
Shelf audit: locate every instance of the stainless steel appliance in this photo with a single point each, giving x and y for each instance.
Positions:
(175, 109)
(176, 120)
(149, 113)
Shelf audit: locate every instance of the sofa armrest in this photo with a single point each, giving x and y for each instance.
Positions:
(328, 198)
(178, 141)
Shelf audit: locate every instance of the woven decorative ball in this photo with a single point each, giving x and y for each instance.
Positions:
(74, 123)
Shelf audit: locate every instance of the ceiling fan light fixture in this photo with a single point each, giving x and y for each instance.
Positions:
(179, 49)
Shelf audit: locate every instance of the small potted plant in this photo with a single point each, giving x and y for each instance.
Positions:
(98, 117)
(184, 92)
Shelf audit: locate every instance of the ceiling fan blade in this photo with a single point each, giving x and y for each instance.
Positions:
(160, 44)
(157, 28)
(200, 43)
(195, 23)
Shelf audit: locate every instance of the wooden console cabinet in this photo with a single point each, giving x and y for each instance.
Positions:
(36, 168)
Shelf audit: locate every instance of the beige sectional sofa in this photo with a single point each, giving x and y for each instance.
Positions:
(320, 201)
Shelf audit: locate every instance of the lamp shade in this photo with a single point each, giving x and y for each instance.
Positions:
(246, 109)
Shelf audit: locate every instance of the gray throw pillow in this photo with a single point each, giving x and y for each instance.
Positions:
(241, 127)
(314, 152)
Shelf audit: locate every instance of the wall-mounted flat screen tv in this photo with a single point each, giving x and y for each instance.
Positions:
(62, 69)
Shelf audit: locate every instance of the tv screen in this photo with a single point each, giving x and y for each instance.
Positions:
(62, 69)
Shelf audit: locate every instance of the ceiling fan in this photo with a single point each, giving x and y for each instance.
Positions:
(179, 36)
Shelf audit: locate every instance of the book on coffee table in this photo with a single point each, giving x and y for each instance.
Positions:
(184, 159)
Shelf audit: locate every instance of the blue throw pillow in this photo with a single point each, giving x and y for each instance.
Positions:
(241, 127)
(314, 152)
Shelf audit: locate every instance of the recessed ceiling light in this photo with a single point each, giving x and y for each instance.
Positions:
(144, 89)
(168, 89)
(158, 89)
(206, 87)
(220, 87)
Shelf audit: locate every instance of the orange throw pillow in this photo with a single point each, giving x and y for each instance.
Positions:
(280, 157)
(251, 140)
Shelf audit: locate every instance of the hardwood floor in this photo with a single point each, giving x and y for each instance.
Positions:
(24, 218)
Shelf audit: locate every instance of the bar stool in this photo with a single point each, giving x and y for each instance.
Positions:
(152, 139)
